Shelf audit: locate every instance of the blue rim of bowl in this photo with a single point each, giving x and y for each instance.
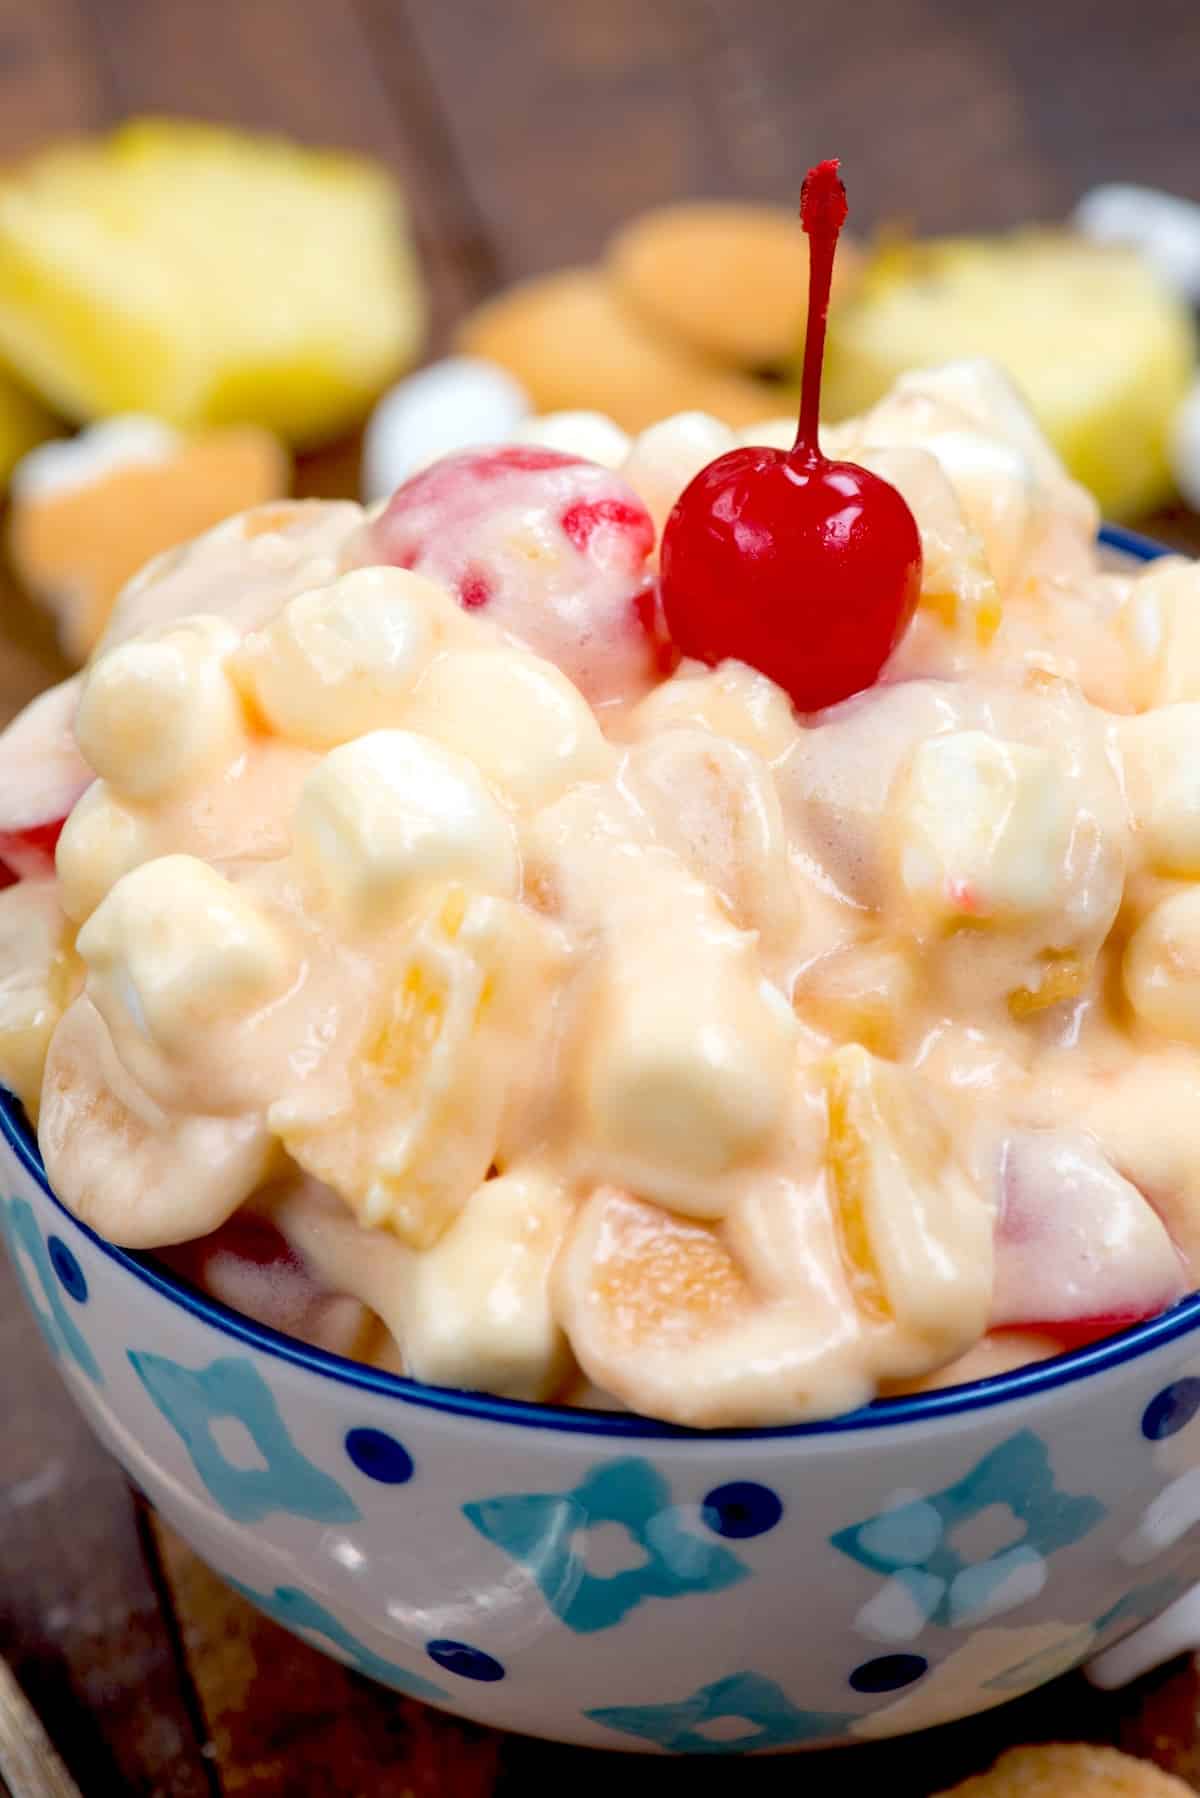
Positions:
(926, 1407)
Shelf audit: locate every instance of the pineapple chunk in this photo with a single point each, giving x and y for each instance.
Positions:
(1104, 353)
(916, 1235)
(206, 277)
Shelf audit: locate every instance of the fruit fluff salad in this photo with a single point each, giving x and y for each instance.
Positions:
(434, 966)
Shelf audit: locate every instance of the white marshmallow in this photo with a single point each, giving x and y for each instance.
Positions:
(176, 948)
(1162, 967)
(916, 1232)
(666, 456)
(592, 435)
(101, 840)
(983, 828)
(775, 433)
(1160, 622)
(525, 726)
(68, 463)
(1161, 753)
(731, 701)
(1165, 228)
(380, 817)
(341, 660)
(478, 1312)
(452, 405)
(687, 1063)
(159, 712)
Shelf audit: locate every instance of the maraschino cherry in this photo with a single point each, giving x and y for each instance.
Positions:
(807, 569)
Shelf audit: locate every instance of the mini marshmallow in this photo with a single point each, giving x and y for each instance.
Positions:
(732, 701)
(175, 948)
(341, 660)
(521, 722)
(67, 463)
(1160, 623)
(916, 1234)
(102, 839)
(451, 405)
(687, 1064)
(592, 435)
(478, 1312)
(983, 829)
(382, 816)
(666, 456)
(1165, 228)
(1161, 754)
(1162, 967)
(775, 433)
(159, 712)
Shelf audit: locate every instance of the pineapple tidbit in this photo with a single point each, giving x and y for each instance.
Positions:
(206, 277)
(570, 1018)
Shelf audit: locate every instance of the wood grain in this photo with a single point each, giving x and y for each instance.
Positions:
(30, 1766)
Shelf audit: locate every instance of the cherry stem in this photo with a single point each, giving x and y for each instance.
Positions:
(822, 213)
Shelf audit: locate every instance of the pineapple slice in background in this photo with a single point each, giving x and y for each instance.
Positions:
(207, 277)
(1103, 351)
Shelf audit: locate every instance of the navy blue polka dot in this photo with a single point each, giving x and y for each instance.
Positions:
(1171, 1410)
(741, 1509)
(68, 1269)
(467, 1662)
(379, 1456)
(889, 1672)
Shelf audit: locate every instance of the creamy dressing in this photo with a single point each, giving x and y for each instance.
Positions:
(657, 1045)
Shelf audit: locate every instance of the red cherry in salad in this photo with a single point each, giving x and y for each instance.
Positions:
(807, 569)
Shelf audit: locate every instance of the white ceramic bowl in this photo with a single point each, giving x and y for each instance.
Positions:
(622, 1583)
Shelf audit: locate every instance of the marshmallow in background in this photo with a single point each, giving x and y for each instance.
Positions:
(1185, 448)
(592, 435)
(451, 405)
(66, 463)
(1163, 227)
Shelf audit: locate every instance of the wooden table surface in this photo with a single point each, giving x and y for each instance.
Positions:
(525, 131)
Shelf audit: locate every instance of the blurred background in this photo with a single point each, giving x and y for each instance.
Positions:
(217, 280)
(239, 308)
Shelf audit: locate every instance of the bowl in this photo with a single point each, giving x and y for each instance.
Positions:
(612, 1581)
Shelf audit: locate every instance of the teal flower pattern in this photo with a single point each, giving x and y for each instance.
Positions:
(193, 1400)
(774, 1721)
(62, 1333)
(297, 1612)
(929, 1581)
(541, 1530)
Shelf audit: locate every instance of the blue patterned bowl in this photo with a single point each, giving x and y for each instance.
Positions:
(621, 1583)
